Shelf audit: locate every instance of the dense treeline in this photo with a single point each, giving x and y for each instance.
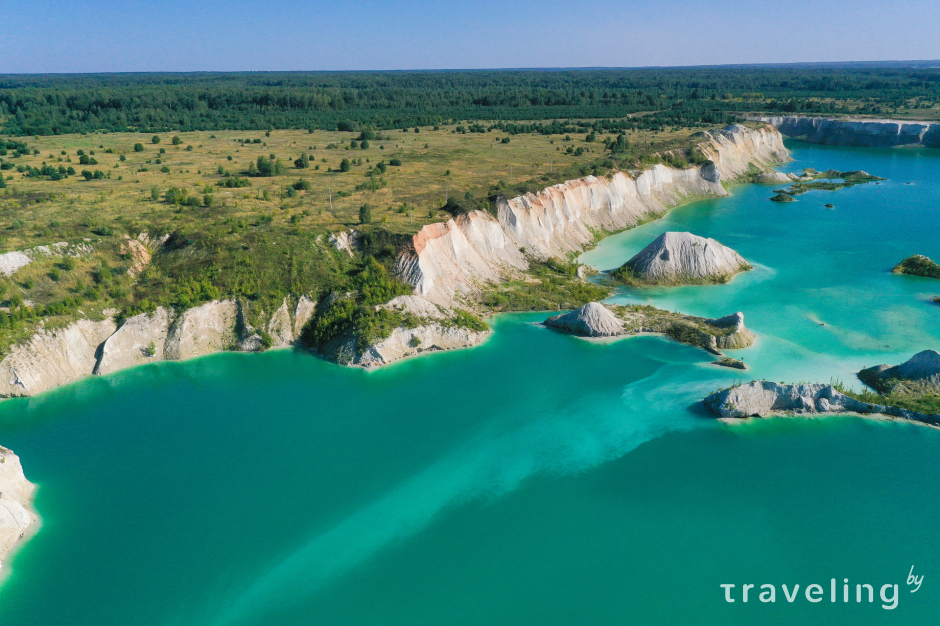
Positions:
(58, 104)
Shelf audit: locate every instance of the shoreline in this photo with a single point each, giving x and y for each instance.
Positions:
(734, 422)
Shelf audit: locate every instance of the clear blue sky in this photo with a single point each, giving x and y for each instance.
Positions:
(206, 35)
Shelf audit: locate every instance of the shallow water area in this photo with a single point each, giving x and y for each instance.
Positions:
(536, 479)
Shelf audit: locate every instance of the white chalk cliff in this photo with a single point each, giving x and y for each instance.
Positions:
(868, 133)
(460, 256)
(17, 517)
(682, 258)
(55, 357)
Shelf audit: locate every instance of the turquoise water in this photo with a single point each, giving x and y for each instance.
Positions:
(537, 479)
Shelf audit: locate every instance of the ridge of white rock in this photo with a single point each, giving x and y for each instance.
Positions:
(676, 257)
(591, 320)
(17, 517)
(763, 398)
(55, 357)
(459, 256)
(857, 132)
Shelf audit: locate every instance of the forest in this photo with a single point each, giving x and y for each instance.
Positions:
(38, 105)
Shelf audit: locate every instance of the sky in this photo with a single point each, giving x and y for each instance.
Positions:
(43, 36)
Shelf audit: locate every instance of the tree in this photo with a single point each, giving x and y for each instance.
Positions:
(176, 140)
(87, 175)
(155, 139)
(395, 162)
(364, 145)
(3, 182)
(303, 162)
(138, 147)
(175, 195)
(365, 214)
(345, 165)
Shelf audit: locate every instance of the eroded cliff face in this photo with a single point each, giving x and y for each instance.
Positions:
(17, 518)
(856, 132)
(52, 358)
(434, 329)
(458, 257)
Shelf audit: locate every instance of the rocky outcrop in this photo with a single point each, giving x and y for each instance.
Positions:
(858, 132)
(739, 337)
(53, 357)
(17, 518)
(140, 339)
(347, 240)
(429, 328)
(598, 320)
(139, 254)
(764, 398)
(920, 373)
(302, 313)
(591, 320)
(773, 178)
(201, 330)
(407, 342)
(684, 258)
(459, 257)
(280, 326)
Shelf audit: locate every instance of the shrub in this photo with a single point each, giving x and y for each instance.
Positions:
(345, 165)
(138, 147)
(365, 214)
(155, 139)
(176, 140)
(395, 162)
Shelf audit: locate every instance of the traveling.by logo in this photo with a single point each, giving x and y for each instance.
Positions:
(814, 592)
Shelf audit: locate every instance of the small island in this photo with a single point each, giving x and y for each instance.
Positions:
(676, 258)
(598, 320)
(918, 265)
(909, 391)
(830, 180)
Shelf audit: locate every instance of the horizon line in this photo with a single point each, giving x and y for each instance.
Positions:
(882, 64)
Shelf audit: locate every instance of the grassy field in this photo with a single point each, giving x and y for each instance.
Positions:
(266, 240)
(436, 164)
